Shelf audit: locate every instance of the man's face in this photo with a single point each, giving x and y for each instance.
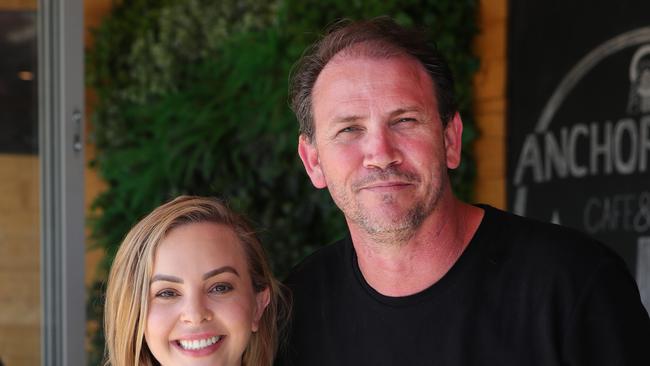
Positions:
(379, 145)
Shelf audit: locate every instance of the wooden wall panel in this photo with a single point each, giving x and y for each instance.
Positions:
(22, 347)
(20, 310)
(489, 101)
(18, 4)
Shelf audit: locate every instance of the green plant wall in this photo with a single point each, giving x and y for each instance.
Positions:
(192, 99)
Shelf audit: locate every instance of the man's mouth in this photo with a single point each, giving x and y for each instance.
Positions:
(198, 344)
(391, 178)
(385, 186)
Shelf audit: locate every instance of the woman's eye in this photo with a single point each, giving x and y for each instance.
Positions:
(221, 288)
(166, 294)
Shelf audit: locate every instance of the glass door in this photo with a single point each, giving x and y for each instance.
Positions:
(42, 317)
(20, 300)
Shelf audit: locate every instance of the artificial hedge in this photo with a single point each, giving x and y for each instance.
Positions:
(192, 99)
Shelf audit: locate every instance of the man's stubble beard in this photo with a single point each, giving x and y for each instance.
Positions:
(391, 230)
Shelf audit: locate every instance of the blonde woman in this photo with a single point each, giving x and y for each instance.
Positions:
(190, 285)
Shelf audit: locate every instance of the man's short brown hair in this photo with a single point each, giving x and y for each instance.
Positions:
(381, 38)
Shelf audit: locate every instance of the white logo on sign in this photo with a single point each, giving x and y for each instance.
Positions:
(640, 81)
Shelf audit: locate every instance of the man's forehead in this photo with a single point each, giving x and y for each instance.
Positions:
(346, 67)
(373, 50)
(351, 84)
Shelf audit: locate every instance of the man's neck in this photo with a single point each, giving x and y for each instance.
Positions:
(405, 267)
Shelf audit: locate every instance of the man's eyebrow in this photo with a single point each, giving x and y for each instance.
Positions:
(399, 111)
(346, 119)
(168, 278)
(220, 270)
(392, 114)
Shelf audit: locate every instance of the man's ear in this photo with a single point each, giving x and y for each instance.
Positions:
(453, 135)
(262, 300)
(309, 156)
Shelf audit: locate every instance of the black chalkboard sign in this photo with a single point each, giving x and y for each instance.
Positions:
(18, 89)
(579, 120)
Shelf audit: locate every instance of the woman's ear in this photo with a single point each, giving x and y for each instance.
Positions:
(262, 300)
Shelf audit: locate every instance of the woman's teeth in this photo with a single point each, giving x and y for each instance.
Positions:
(197, 344)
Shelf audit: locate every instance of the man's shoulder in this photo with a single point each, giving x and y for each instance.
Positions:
(550, 245)
(325, 261)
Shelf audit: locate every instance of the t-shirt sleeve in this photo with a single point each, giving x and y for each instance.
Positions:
(609, 326)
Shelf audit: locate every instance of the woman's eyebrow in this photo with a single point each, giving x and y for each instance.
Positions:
(220, 270)
(168, 278)
(214, 272)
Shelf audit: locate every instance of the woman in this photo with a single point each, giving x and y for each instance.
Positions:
(190, 285)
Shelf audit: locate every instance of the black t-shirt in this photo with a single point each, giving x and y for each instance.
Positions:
(522, 293)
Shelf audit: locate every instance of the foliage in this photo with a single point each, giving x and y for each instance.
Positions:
(192, 99)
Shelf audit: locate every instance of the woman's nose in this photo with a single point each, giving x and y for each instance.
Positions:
(195, 310)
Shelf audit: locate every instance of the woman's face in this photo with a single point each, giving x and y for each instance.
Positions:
(202, 306)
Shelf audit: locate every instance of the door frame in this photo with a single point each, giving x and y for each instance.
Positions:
(60, 107)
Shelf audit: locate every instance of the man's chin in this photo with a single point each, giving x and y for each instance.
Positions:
(391, 220)
(388, 225)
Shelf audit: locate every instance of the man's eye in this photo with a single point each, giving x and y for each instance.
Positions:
(221, 288)
(349, 129)
(405, 119)
(166, 294)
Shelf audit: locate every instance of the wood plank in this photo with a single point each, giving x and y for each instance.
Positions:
(19, 299)
(490, 101)
(20, 345)
(16, 5)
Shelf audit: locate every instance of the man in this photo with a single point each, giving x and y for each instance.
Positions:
(423, 278)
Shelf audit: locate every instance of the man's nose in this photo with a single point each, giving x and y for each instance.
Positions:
(381, 149)
(195, 310)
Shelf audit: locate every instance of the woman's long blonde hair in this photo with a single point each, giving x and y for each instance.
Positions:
(127, 293)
